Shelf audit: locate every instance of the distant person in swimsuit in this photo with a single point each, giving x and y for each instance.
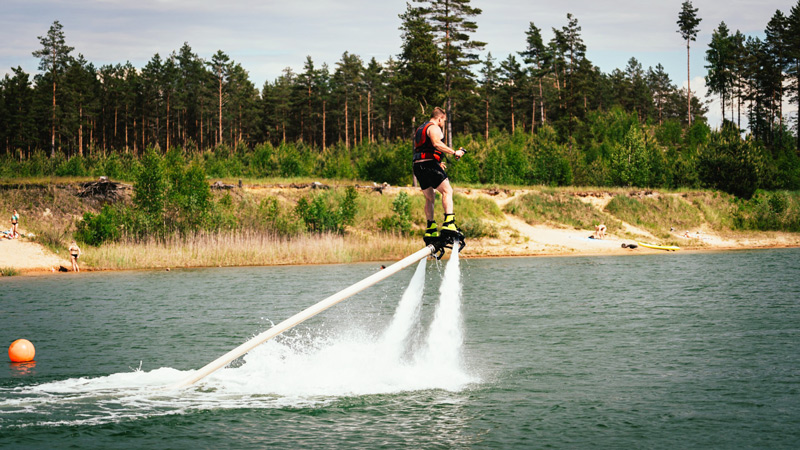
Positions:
(74, 252)
(599, 231)
(14, 222)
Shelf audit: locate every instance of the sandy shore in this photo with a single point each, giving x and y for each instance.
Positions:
(517, 238)
(26, 256)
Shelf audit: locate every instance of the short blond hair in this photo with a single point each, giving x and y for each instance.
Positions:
(438, 112)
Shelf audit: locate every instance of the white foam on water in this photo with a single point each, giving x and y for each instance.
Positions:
(298, 368)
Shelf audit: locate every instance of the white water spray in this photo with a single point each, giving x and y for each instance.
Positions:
(445, 336)
(406, 316)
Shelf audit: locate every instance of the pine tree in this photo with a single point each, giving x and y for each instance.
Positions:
(373, 83)
(513, 81)
(192, 81)
(776, 40)
(489, 83)
(18, 119)
(451, 21)
(687, 27)
(537, 56)
(719, 56)
(220, 66)
(661, 88)
(793, 44)
(243, 105)
(55, 58)
(575, 53)
(348, 77)
(419, 71)
(81, 100)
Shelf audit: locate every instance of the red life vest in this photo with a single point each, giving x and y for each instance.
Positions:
(423, 145)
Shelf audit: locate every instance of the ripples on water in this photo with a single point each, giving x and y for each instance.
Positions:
(663, 351)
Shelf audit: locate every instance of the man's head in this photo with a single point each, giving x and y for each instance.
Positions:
(438, 116)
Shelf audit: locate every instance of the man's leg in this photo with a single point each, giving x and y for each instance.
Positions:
(431, 230)
(447, 203)
(447, 196)
(430, 198)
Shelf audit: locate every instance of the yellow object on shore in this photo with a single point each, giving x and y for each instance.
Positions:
(659, 247)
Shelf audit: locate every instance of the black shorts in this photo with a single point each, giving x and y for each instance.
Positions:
(429, 174)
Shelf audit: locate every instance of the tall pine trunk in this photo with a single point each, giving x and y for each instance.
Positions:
(80, 130)
(219, 141)
(167, 122)
(486, 132)
(513, 129)
(688, 86)
(53, 124)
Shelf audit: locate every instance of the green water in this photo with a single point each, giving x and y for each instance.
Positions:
(658, 351)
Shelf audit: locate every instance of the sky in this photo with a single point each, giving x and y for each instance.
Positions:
(266, 36)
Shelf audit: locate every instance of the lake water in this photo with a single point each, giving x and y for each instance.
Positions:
(678, 350)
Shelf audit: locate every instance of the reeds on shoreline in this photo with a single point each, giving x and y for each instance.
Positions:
(249, 248)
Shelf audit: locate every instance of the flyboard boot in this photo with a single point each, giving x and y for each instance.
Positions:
(431, 233)
(447, 236)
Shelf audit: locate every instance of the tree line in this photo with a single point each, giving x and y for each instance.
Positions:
(72, 108)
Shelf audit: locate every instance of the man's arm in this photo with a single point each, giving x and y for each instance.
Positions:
(438, 144)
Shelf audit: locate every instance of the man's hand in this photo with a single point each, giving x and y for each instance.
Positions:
(459, 153)
(443, 165)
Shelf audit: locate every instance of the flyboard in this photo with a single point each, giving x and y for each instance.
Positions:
(434, 247)
(660, 247)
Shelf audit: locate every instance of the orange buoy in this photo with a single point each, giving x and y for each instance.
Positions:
(21, 350)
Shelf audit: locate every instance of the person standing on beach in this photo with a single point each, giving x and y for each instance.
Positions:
(74, 252)
(429, 169)
(14, 222)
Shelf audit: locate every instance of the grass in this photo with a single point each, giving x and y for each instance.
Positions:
(8, 272)
(717, 208)
(43, 181)
(249, 249)
(561, 208)
(656, 215)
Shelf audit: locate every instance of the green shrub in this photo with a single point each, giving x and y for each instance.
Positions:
(149, 194)
(733, 165)
(630, 165)
(478, 228)
(96, 229)
(71, 167)
(769, 211)
(324, 213)
(401, 220)
(276, 219)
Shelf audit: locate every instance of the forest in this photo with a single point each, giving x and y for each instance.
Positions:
(543, 115)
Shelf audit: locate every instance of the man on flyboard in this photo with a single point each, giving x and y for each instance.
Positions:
(429, 169)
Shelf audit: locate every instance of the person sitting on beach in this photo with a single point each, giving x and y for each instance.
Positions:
(74, 252)
(14, 222)
(599, 231)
